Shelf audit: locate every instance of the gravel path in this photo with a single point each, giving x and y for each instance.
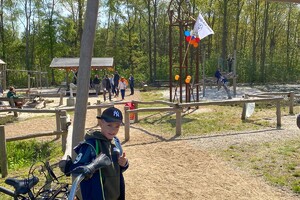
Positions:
(288, 131)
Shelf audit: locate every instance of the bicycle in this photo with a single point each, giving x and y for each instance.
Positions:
(24, 188)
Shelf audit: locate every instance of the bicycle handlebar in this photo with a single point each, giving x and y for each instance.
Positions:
(87, 171)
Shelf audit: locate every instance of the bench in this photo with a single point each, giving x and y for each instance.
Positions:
(14, 102)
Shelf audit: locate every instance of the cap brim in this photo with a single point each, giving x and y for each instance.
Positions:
(107, 119)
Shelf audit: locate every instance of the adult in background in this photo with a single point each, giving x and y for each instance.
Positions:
(131, 84)
(96, 83)
(230, 62)
(12, 94)
(116, 83)
(106, 87)
(122, 87)
(111, 79)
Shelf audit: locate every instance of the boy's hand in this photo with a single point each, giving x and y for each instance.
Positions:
(122, 160)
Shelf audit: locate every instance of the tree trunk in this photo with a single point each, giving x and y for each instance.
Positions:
(225, 31)
(254, 33)
(2, 29)
(263, 44)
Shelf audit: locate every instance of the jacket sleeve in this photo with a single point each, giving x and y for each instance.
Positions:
(85, 154)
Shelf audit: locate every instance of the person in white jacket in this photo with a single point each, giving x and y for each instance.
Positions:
(122, 87)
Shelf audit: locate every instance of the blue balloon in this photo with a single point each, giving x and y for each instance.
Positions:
(187, 33)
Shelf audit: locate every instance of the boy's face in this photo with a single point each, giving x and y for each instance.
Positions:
(109, 129)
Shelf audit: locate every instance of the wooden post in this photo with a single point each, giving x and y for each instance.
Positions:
(58, 125)
(64, 128)
(292, 96)
(136, 104)
(3, 155)
(61, 97)
(178, 121)
(98, 109)
(127, 123)
(234, 73)
(278, 113)
(244, 108)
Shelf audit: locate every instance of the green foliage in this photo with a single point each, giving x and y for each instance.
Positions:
(137, 36)
(22, 154)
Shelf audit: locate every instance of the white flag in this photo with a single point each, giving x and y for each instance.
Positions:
(201, 28)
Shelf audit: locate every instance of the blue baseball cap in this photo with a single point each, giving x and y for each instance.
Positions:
(111, 114)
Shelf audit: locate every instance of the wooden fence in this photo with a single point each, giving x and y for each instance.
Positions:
(62, 123)
(178, 109)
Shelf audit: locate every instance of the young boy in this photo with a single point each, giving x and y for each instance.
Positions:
(107, 183)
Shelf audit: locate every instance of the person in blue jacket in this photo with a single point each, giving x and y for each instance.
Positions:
(220, 77)
(108, 182)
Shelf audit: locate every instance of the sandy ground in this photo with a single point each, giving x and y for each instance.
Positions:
(170, 167)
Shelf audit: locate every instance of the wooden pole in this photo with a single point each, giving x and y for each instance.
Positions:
(244, 108)
(178, 121)
(291, 98)
(64, 127)
(234, 74)
(127, 123)
(84, 71)
(3, 155)
(57, 118)
(136, 118)
(99, 109)
(61, 97)
(278, 113)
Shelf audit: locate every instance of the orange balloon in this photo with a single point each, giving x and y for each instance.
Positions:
(187, 81)
(196, 45)
(189, 77)
(176, 77)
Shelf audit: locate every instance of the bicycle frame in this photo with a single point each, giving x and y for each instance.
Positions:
(74, 187)
(26, 186)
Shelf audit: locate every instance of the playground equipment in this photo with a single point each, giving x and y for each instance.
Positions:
(180, 19)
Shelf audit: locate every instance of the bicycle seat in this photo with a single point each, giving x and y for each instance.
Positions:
(22, 186)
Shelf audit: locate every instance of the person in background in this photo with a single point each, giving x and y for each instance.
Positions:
(106, 87)
(220, 79)
(122, 87)
(116, 83)
(230, 62)
(13, 94)
(111, 79)
(108, 182)
(131, 84)
(96, 83)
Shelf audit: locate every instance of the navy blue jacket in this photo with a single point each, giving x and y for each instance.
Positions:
(107, 183)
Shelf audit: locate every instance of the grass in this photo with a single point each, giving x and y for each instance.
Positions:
(277, 162)
(30, 155)
(205, 120)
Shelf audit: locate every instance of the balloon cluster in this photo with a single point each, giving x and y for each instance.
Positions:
(191, 39)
